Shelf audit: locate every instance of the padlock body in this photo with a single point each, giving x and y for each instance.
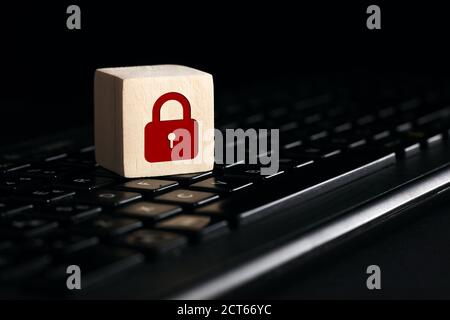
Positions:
(157, 145)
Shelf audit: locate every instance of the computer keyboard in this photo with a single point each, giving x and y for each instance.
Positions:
(59, 208)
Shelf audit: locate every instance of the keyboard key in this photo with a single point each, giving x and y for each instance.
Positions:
(291, 143)
(374, 131)
(381, 135)
(44, 195)
(26, 228)
(318, 135)
(313, 152)
(8, 167)
(80, 162)
(217, 210)
(46, 172)
(5, 261)
(195, 227)
(99, 263)
(386, 112)
(73, 213)
(148, 185)
(106, 226)
(189, 177)
(84, 183)
(345, 140)
(55, 157)
(432, 140)
(10, 209)
(149, 212)
(68, 244)
(26, 246)
(403, 144)
(250, 172)
(312, 102)
(5, 245)
(440, 115)
(155, 242)
(228, 125)
(58, 243)
(89, 149)
(187, 197)
(220, 167)
(222, 184)
(254, 118)
(82, 159)
(289, 126)
(294, 163)
(410, 104)
(19, 268)
(343, 127)
(110, 198)
(366, 119)
(404, 126)
(312, 118)
(11, 184)
(244, 170)
(279, 112)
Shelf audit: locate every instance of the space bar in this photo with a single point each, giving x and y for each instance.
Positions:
(375, 210)
(299, 185)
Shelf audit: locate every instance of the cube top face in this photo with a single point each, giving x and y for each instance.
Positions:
(131, 141)
(168, 70)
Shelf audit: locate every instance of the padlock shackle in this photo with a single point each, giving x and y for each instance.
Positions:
(156, 112)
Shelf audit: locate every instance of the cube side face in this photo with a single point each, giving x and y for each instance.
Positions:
(139, 97)
(108, 121)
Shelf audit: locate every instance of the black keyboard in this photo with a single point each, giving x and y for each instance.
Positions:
(58, 207)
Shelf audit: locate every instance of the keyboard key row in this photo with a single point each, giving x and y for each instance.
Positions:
(9, 209)
(98, 263)
(68, 213)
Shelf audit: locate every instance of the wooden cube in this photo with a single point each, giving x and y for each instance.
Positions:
(124, 100)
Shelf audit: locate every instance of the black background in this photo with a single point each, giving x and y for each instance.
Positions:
(47, 70)
(47, 79)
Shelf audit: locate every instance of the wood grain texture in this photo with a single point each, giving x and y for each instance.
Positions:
(124, 98)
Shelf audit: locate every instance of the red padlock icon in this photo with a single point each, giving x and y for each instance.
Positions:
(160, 137)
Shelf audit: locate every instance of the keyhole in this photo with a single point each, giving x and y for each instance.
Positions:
(171, 136)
